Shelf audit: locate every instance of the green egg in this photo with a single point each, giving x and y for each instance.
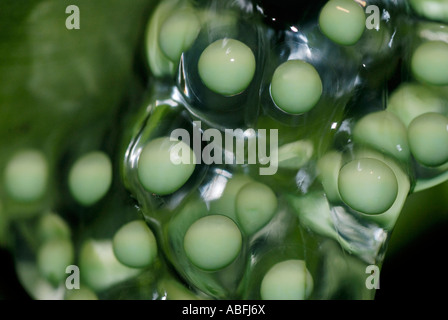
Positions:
(430, 63)
(328, 167)
(51, 226)
(287, 280)
(135, 245)
(295, 155)
(368, 185)
(225, 204)
(256, 204)
(164, 166)
(227, 66)
(435, 10)
(26, 175)
(99, 269)
(213, 242)
(410, 100)
(178, 33)
(383, 131)
(296, 86)
(428, 139)
(53, 257)
(342, 21)
(90, 177)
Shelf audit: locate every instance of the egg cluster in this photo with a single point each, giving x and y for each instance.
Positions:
(361, 121)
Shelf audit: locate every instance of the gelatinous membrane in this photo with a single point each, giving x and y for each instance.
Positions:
(343, 161)
(219, 75)
(315, 97)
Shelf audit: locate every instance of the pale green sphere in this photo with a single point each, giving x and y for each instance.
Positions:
(383, 131)
(368, 185)
(99, 269)
(164, 166)
(213, 242)
(135, 245)
(90, 177)
(342, 21)
(430, 63)
(296, 86)
(178, 33)
(26, 175)
(436, 10)
(51, 226)
(227, 66)
(428, 139)
(53, 257)
(225, 204)
(287, 280)
(328, 167)
(410, 100)
(256, 204)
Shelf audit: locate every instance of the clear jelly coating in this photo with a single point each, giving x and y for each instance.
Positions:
(345, 159)
(270, 157)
